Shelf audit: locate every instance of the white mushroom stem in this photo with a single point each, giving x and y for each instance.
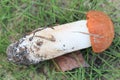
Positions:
(53, 42)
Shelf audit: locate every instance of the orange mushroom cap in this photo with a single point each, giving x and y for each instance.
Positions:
(101, 29)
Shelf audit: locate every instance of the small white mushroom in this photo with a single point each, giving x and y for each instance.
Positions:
(48, 43)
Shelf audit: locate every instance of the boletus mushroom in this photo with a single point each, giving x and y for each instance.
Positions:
(47, 43)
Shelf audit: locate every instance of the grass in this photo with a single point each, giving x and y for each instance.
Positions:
(18, 17)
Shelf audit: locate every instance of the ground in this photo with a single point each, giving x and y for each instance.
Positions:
(19, 17)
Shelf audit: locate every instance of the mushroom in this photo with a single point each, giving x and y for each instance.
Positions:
(101, 29)
(47, 43)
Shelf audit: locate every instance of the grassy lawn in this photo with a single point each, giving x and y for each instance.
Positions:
(18, 17)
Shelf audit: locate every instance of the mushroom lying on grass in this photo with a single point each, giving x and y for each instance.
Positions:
(44, 44)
